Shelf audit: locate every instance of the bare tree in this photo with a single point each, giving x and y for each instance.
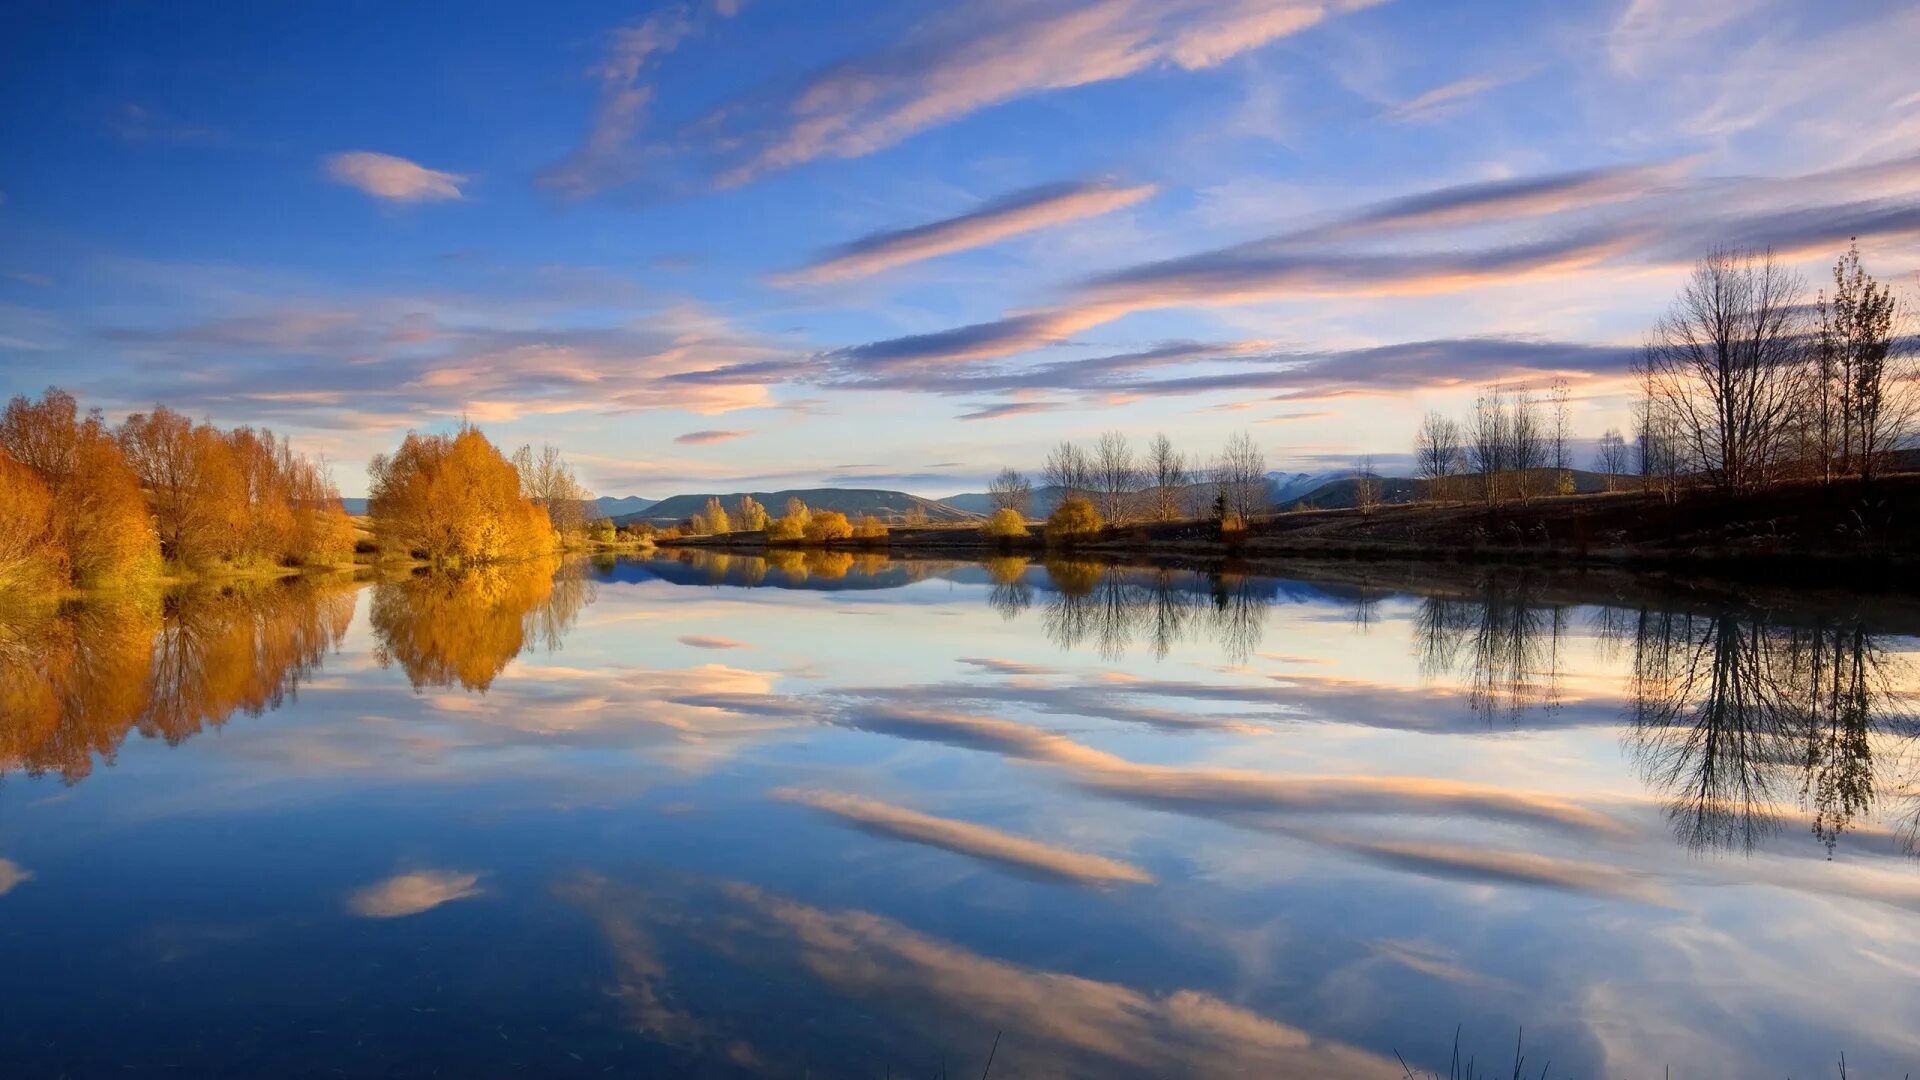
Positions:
(1611, 461)
(1727, 367)
(1011, 490)
(1115, 476)
(1866, 397)
(1437, 454)
(547, 480)
(1527, 442)
(1557, 449)
(1170, 479)
(1488, 442)
(1241, 477)
(1068, 470)
(1366, 485)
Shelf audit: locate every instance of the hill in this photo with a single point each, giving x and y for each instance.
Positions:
(606, 506)
(853, 502)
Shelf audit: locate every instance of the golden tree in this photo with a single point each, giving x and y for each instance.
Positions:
(1073, 521)
(195, 487)
(454, 498)
(101, 515)
(825, 525)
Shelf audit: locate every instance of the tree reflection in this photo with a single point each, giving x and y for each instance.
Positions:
(1736, 718)
(1010, 594)
(1108, 608)
(466, 626)
(74, 681)
(1502, 636)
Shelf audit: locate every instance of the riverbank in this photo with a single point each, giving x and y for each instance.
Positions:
(1846, 531)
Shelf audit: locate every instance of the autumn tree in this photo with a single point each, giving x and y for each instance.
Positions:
(453, 499)
(1011, 490)
(717, 519)
(825, 525)
(791, 526)
(748, 515)
(193, 482)
(100, 513)
(1006, 523)
(33, 557)
(1074, 520)
(869, 529)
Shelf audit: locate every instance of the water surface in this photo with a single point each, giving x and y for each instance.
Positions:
(841, 816)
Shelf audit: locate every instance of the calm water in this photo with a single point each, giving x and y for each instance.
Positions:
(715, 816)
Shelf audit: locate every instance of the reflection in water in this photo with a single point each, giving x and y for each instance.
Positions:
(466, 626)
(1735, 717)
(1109, 607)
(1502, 636)
(75, 681)
(896, 1000)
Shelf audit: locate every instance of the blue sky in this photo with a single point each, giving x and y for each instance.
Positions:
(761, 243)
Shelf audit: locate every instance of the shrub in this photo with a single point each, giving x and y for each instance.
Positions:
(1074, 521)
(787, 530)
(1004, 524)
(870, 528)
(828, 525)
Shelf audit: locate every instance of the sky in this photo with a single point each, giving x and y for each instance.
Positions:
(718, 245)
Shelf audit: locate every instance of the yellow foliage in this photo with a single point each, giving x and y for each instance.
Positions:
(1075, 520)
(32, 558)
(102, 520)
(454, 499)
(716, 516)
(828, 525)
(466, 626)
(870, 528)
(1004, 524)
(788, 529)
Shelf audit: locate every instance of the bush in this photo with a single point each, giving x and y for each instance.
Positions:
(870, 528)
(1074, 521)
(828, 525)
(1005, 524)
(787, 530)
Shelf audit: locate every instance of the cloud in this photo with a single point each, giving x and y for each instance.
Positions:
(12, 875)
(1445, 99)
(141, 124)
(965, 838)
(384, 176)
(1001, 219)
(965, 60)
(606, 155)
(702, 438)
(1014, 408)
(412, 893)
(699, 641)
(927, 991)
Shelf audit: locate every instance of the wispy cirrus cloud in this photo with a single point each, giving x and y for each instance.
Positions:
(1001, 219)
(1448, 98)
(607, 156)
(968, 59)
(394, 179)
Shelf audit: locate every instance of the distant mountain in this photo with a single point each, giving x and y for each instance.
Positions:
(611, 507)
(605, 506)
(853, 502)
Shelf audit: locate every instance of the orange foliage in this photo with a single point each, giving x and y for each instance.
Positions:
(1073, 521)
(100, 516)
(466, 626)
(827, 525)
(454, 498)
(870, 528)
(32, 559)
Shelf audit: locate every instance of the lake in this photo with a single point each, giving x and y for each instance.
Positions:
(826, 815)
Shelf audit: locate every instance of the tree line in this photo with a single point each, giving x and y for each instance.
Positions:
(1110, 484)
(1745, 382)
(88, 502)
